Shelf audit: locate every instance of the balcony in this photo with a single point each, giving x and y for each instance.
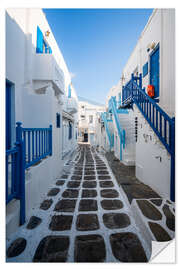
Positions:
(72, 105)
(46, 69)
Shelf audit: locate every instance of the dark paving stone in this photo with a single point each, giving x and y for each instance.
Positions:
(46, 204)
(77, 172)
(76, 177)
(73, 184)
(89, 168)
(104, 177)
(17, 247)
(102, 172)
(116, 220)
(139, 191)
(111, 204)
(60, 223)
(149, 210)
(89, 184)
(60, 182)
(126, 247)
(33, 222)
(105, 184)
(87, 222)
(170, 219)
(89, 173)
(78, 168)
(70, 193)
(89, 248)
(53, 192)
(157, 202)
(101, 168)
(88, 205)
(89, 177)
(52, 249)
(64, 176)
(65, 206)
(87, 193)
(159, 233)
(109, 193)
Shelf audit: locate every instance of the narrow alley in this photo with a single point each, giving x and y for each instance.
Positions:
(84, 217)
(90, 160)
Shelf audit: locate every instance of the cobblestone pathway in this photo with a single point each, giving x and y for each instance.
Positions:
(85, 217)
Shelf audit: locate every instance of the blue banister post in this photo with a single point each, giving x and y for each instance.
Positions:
(172, 188)
(21, 172)
(50, 139)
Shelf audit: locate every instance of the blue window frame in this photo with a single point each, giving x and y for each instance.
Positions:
(58, 120)
(42, 46)
(145, 69)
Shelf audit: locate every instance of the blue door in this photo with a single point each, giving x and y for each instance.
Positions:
(154, 71)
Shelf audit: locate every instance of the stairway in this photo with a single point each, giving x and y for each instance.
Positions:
(161, 124)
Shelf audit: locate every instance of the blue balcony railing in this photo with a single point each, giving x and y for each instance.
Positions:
(38, 144)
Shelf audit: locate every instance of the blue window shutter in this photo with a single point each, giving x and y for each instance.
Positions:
(69, 91)
(39, 48)
(145, 69)
(50, 50)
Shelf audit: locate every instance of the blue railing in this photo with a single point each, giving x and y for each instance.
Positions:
(160, 122)
(38, 144)
(121, 132)
(15, 175)
(110, 136)
(32, 145)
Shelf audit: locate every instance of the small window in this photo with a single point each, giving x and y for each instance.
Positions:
(42, 46)
(90, 119)
(145, 69)
(58, 120)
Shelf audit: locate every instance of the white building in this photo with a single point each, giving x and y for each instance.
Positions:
(154, 58)
(88, 117)
(39, 93)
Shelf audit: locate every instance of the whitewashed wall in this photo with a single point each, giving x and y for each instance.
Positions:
(35, 108)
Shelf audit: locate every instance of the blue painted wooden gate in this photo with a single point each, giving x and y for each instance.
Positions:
(154, 71)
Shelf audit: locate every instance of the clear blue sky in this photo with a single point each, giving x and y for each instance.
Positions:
(96, 43)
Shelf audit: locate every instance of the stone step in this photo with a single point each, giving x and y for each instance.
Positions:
(155, 219)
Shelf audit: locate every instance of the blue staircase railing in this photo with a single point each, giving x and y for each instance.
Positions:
(110, 136)
(121, 132)
(159, 121)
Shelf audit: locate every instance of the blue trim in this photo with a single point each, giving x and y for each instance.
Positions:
(69, 91)
(121, 132)
(110, 137)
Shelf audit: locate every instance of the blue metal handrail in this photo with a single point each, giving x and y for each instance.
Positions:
(158, 119)
(121, 132)
(110, 137)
